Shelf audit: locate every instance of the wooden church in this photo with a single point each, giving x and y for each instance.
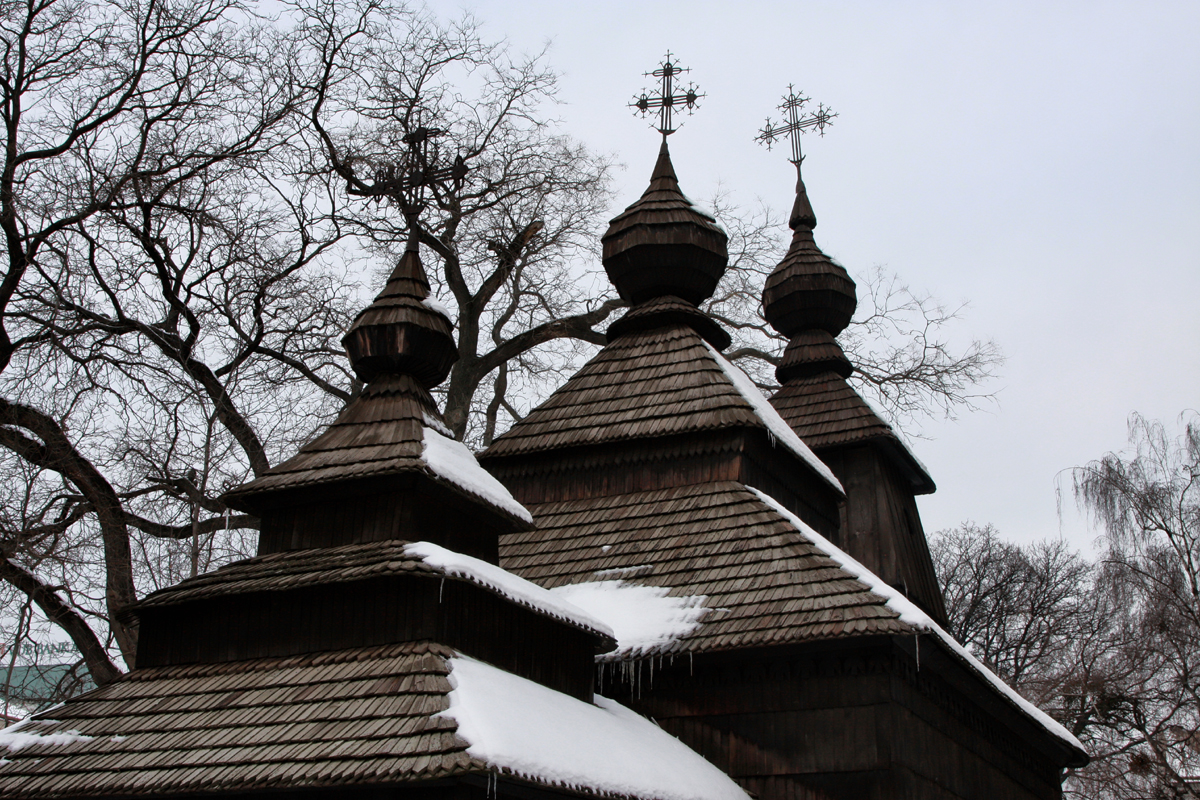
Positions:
(658, 585)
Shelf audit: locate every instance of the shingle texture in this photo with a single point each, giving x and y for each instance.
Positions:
(646, 384)
(379, 432)
(765, 582)
(347, 718)
(825, 412)
(324, 566)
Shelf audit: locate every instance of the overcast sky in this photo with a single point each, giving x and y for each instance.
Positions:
(1037, 159)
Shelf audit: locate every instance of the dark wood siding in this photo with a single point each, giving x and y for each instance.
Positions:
(373, 612)
(396, 507)
(855, 719)
(880, 525)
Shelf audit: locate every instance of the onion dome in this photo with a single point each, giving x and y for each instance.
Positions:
(809, 298)
(663, 245)
(401, 332)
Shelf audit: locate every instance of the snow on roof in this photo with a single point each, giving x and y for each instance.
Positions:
(919, 619)
(435, 305)
(644, 618)
(504, 582)
(453, 461)
(770, 417)
(15, 737)
(530, 731)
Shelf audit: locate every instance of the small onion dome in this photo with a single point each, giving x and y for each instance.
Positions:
(812, 352)
(400, 333)
(662, 245)
(807, 290)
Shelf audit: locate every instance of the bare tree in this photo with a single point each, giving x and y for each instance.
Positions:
(158, 310)
(509, 234)
(898, 340)
(1147, 502)
(173, 294)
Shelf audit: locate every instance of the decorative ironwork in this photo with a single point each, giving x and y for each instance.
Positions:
(796, 122)
(669, 98)
(420, 168)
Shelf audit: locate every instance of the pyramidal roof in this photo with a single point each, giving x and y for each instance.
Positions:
(373, 716)
(402, 345)
(662, 381)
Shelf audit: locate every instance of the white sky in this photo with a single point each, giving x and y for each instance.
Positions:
(1038, 159)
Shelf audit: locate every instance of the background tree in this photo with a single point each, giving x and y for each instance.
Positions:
(1111, 648)
(160, 314)
(1146, 501)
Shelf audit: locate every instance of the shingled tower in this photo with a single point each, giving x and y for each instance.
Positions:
(374, 648)
(674, 502)
(810, 299)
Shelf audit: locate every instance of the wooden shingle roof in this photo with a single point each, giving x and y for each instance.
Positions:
(294, 569)
(348, 718)
(644, 384)
(379, 432)
(827, 412)
(765, 583)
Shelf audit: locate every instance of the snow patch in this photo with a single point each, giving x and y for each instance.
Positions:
(914, 616)
(644, 618)
(15, 738)
(454, 461)
(504, 582)
(433, 305)
(433, 422)
(528, 730)
(770, 417)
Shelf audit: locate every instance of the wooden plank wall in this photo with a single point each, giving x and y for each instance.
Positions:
(881, 527)
(373, 612)
(852, 720)
(401, 507)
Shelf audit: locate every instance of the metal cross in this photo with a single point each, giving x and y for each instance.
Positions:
(795, 123)
(666, 101)
(421, 167)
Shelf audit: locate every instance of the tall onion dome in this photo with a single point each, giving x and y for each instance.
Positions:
(665, 257)
(810, 299)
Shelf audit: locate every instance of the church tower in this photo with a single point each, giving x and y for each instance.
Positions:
(810, 299)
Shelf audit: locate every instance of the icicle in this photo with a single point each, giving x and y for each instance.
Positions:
(691, 665)
(441, 586)
(918, 638)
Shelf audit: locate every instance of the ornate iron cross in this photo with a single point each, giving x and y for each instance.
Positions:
(795, 123)
(667, 100)
(420, 167)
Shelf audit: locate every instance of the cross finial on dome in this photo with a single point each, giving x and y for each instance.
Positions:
(796, 121)
(669, 97)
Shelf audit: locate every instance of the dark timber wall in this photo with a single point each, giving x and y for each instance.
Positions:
(880, 525)
(854, 720)
(372, 612)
